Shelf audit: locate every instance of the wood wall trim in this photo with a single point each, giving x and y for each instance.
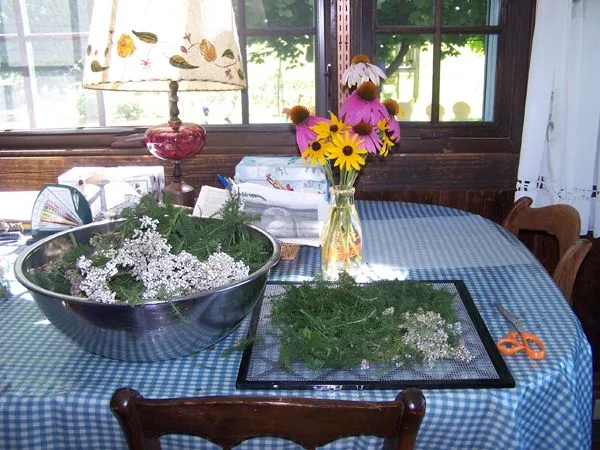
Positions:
(471, 171)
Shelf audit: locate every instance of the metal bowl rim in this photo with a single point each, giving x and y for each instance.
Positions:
(22, 278)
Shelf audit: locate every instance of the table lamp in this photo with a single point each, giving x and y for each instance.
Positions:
(155, 45)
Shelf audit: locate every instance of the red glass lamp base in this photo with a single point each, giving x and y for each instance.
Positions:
(175, 141)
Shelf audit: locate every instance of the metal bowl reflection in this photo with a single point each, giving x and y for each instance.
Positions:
(153, 331)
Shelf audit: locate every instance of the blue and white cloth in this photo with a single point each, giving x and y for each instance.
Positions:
(53, 395)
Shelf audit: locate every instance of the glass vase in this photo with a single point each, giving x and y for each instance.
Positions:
(341, 239)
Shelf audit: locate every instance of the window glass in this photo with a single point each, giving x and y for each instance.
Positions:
(465, 64)
(404, 12)
(57, 81)
(467, 70)
(58, 16)
(13, 99)
(470, 13)
(277, 83)
(279, 13)
(407, 60)
(8, 23)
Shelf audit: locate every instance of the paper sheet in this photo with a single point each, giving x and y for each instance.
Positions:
(292, 217)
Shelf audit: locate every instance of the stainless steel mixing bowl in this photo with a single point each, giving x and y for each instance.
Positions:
(153, 331)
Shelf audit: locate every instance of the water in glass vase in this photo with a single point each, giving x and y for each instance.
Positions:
(341, 239)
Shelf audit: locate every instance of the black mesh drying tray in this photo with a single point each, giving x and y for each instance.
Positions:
(486, 369)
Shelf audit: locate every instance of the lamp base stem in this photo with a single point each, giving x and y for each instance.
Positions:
(180, 193)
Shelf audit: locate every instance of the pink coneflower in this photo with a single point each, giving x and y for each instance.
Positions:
(368, 133)
(301, 117)
(363, 104)
(394, 127)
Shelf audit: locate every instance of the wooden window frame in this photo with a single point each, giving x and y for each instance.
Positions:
(461, 162)
(503, 134)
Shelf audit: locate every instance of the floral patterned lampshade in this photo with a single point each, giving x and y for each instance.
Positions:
(158, 45)
(142, 45)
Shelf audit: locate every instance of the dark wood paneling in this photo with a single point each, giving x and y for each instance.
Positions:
(457, 171)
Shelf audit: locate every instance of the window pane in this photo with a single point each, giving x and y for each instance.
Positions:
(58, 75)
(13, 101)
(151, 108)
(404, 12)
(279, 82)
(279, 14)
(472, 12)
(407, 60)
(467, 77)
(58, 16)
(8, 24)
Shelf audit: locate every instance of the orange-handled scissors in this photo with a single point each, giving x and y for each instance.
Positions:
(511, 344)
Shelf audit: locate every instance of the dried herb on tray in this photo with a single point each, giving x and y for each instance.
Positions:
(387, 322)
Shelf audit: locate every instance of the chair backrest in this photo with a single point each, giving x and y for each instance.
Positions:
(561, 221)
(227, 421)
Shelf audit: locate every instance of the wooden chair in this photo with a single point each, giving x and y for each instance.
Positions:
(561, 221)
(227, 421)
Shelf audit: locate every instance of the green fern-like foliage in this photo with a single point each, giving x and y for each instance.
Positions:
(339, 325)
(200, 237)
(230, 233)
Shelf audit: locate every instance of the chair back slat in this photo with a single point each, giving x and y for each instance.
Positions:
(228, 421)
(561, 221)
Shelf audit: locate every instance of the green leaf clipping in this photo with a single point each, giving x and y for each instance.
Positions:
(228, 54)
(97, 67)
(241, 74)
(180, 62)
(146, 36)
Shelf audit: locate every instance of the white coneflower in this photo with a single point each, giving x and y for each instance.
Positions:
(362, 70)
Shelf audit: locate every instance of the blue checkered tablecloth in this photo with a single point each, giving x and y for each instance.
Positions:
(53, 395)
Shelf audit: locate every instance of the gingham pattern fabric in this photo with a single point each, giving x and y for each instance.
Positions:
(53, 395)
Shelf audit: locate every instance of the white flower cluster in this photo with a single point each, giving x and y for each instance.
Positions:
(163, 274)
(427, 332)
(4, 286)
(95, 280)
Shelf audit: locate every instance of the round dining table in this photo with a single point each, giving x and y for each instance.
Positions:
(54, 395)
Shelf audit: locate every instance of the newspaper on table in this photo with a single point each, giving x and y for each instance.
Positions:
(292, 217)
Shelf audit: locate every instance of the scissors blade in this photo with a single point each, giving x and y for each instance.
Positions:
(512, 319)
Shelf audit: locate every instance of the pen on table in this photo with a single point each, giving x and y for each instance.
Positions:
(227, 182)
(276, 184)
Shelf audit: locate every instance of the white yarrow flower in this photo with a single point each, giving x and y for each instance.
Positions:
(388, 311)
(427, 332)
(163, 274)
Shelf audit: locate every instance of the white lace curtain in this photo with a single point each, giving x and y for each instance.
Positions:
(560, 152)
